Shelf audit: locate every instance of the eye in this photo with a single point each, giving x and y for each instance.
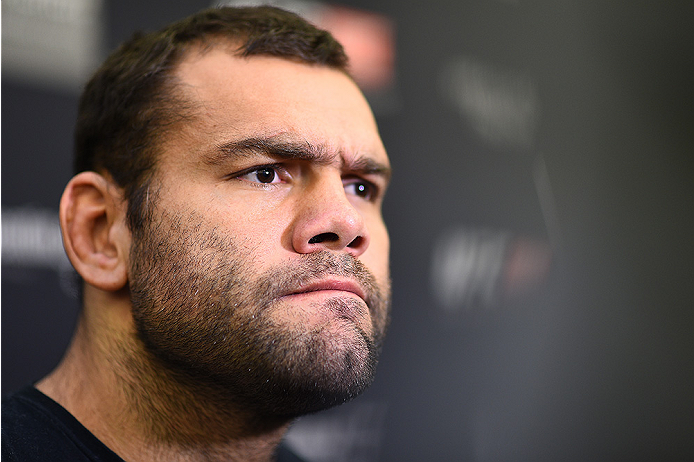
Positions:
(264, 175)
(361, 188)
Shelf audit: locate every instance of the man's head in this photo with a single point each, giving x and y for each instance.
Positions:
(246, 231)
(134, 99)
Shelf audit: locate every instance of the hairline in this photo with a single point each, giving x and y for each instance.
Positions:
(174, 85)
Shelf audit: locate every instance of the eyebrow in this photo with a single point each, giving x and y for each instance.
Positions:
(289, 150)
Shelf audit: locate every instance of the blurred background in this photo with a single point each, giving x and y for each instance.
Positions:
(541, 217)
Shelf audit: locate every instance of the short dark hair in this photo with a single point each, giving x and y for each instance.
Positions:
(132, 100)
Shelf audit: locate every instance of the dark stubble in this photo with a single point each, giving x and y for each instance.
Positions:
(202, 312)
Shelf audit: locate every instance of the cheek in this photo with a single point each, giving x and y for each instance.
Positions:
(254, 222)
(258, 230)
(376, 258)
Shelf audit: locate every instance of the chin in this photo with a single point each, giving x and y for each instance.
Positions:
(321, 369)
(318, 388)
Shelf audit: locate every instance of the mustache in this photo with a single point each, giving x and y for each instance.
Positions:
(320, 265)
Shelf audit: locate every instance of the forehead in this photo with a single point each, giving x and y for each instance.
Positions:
(268, 96)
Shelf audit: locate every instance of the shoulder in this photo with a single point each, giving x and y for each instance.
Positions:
(22, 425)
(36, 428)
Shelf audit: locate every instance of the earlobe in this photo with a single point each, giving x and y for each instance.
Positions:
(95, 234)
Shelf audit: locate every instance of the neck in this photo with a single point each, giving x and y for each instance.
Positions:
(144, 411)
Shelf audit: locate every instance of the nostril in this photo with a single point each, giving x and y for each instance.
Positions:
(356, 242)
(324, 237)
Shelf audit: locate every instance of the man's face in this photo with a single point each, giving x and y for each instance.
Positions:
(264, 269)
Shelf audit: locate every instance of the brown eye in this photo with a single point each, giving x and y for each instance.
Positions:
(362, 189)
(266, 175)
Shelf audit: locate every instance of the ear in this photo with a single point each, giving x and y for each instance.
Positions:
(95, 232)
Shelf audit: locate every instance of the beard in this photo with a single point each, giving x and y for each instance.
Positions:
(204, 313)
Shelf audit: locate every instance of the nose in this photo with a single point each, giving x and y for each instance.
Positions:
(327, 220)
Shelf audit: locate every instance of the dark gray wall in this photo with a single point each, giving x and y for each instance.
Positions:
(558, 124)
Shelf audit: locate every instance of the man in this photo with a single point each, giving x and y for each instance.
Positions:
(226, 221)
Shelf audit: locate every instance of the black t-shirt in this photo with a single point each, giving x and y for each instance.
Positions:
(36, 428)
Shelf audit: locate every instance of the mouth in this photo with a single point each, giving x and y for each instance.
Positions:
(337, 285)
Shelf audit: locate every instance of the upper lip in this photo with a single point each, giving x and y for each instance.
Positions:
(345, 285)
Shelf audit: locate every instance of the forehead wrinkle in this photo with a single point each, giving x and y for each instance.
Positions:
(366, 165)
(273, 147)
